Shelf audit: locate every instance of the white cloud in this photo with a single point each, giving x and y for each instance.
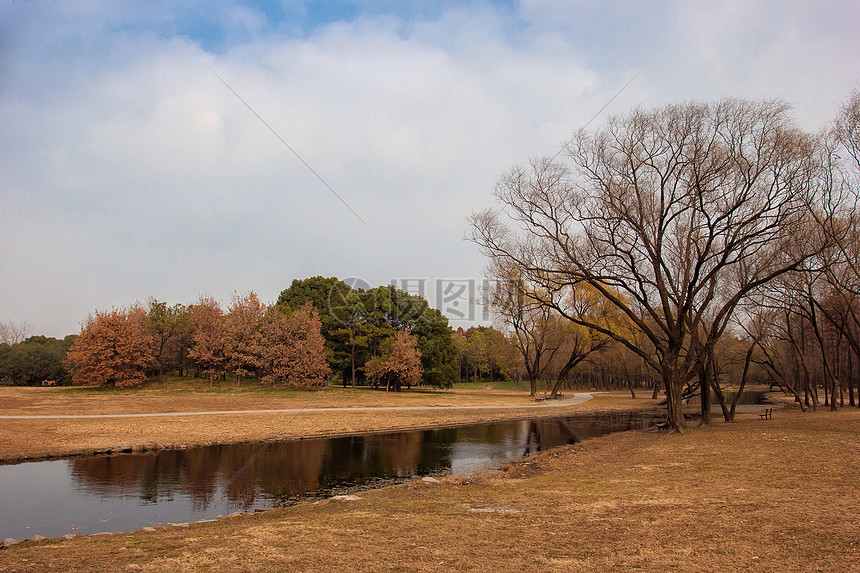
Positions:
(129, 170)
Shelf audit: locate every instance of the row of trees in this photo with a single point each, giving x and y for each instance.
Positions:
(319, 329)
(670, 231)
(485, 354)
(126, 345)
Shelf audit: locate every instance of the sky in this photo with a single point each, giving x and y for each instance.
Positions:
(178, 149)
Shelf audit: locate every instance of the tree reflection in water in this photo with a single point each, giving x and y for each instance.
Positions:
(285, 471)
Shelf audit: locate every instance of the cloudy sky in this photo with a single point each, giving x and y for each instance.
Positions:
(129, 170)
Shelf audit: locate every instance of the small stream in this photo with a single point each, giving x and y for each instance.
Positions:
(128, 491)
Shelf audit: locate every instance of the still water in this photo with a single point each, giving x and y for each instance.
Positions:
(129, 491)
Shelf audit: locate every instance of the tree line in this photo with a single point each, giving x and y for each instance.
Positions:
(33, 360)
(320, 330)
(674, 231)
(124, 346)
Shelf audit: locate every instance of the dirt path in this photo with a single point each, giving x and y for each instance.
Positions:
(574, 401)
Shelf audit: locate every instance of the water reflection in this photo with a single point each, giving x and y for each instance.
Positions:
(201, 483)
(200, 473)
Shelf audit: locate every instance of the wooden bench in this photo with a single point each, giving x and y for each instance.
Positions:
(766, 415)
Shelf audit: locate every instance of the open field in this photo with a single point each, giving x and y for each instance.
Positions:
(27, 438)
(778, 495)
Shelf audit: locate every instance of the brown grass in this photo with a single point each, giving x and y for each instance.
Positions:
(779, 495)
(24, 439)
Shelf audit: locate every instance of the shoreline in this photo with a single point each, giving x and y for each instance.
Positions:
(154, 447)
(353, 493)
(635, 500)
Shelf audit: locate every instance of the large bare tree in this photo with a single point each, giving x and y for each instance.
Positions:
(672, 215)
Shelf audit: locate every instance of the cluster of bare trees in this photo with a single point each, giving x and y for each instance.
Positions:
(807, 327)
(124, 346)
(670, 231)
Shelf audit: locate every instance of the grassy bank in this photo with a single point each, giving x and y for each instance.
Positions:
(28, 438)
(778, 495)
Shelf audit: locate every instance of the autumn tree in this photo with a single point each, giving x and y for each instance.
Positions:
(239, 334)
(401, 364)
(502, 354)
(486, 353)
(290, 348)
(388, 309)
(356, 321)
(168, 326)
(208, 348)
(683, 210)
(477, 353)
(113, 348)
(340, 316)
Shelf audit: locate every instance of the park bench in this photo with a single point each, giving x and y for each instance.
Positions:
(766, 414)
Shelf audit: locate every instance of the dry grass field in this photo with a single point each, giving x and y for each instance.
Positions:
(28, 438)
(777, 495)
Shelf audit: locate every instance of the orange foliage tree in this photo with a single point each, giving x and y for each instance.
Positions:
(290, 348)
(207, 349)
(402, 364)
(112, 349)
(240, 340)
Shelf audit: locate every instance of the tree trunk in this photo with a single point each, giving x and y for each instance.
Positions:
(674, 408)
(352, 357)
(574, 359)
(744, 377)
(705, 375)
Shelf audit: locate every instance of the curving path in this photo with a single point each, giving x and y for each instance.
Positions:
(576, 399)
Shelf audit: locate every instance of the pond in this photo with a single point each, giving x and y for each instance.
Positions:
(128, 491)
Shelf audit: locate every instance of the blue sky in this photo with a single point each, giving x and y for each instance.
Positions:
(128, 170)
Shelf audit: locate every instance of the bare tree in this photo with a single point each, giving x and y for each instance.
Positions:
(844, 199)
(672, 215)
(534, 325)
(12, 332)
